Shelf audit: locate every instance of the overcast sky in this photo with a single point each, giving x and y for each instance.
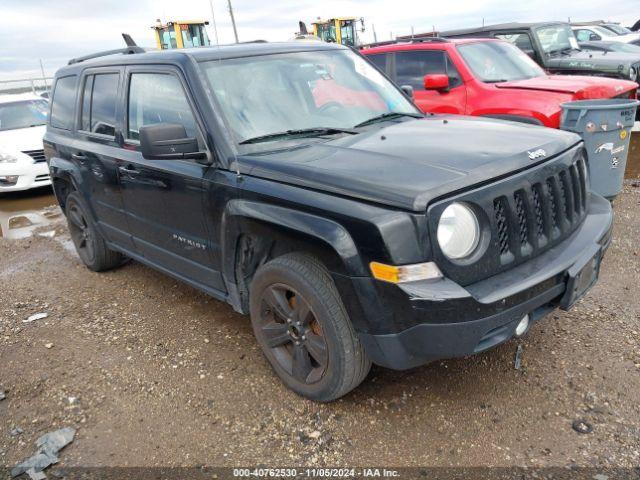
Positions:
(56, 30)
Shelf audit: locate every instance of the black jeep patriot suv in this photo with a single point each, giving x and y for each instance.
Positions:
(297, 183)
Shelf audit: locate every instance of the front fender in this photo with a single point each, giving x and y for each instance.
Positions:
(328, 232)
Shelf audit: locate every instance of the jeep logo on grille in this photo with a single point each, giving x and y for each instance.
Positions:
(537, 154)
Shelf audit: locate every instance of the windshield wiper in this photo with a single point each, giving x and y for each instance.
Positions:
(387, 116)
(300, 133)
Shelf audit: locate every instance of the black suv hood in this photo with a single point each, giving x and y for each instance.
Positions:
(611, 63)
(408, 164)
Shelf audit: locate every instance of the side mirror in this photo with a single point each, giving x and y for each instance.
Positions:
(593, 37)
(168, 141)
(436, 81)
(408, 90)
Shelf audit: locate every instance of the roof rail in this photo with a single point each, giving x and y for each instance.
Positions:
(430, 40)
(124, 51)
(407, 40)
(378, 44)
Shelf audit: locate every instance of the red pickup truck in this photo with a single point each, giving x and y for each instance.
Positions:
(487, 77)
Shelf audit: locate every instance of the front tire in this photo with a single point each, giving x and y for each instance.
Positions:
(90, 245)
(303, 328)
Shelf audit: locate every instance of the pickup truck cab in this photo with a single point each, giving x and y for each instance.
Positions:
(297, 183)
(554, 47)
(487, 78)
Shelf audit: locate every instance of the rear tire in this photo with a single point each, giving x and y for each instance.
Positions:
(90, 245)
(303, 328)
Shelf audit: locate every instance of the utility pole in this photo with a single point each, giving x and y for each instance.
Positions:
(44, 78)
(233, 21)
(375, 37)
(213, 19)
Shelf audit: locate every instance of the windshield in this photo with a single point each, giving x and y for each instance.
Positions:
(331, 89)
(604, 32)
(620, 30)
(24, 114)
(499, 62)
(556, 38)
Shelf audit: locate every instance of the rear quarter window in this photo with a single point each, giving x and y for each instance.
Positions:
(379, 60)
(63, 102)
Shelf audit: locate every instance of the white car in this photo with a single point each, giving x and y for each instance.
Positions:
(587, 33)
(22, 125)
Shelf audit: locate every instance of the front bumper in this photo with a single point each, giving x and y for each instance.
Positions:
(32, 175)
(412, 324)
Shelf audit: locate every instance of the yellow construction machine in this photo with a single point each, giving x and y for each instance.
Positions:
(181, 34)
(342, 30)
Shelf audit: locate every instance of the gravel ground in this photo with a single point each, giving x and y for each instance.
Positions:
(154, 373)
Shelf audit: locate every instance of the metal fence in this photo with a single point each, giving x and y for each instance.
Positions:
(35, 85)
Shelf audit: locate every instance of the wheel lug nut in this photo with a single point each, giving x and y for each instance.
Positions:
(303, 337)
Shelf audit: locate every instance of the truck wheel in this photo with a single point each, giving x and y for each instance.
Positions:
(304, 330)
(89, 244)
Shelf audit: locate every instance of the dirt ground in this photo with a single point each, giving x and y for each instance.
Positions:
(153, 373)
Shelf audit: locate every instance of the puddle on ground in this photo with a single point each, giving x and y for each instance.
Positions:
(21, 213)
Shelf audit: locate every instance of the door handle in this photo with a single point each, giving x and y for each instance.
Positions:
(79, 157)
(128, 171)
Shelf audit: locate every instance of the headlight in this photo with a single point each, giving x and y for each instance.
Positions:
(633, 73)
(6, 158)
(458, 231)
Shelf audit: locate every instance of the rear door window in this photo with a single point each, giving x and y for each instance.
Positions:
(411, 67)
(158, 98)
(63, 103)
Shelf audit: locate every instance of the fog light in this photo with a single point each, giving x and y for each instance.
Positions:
(522, 326)
(9, 180)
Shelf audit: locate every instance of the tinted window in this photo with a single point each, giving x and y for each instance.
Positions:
(379, 60)
(103, 104)
(158, 98)
(63, 103)
(85, 123)
(520, 40)
(411, 67)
